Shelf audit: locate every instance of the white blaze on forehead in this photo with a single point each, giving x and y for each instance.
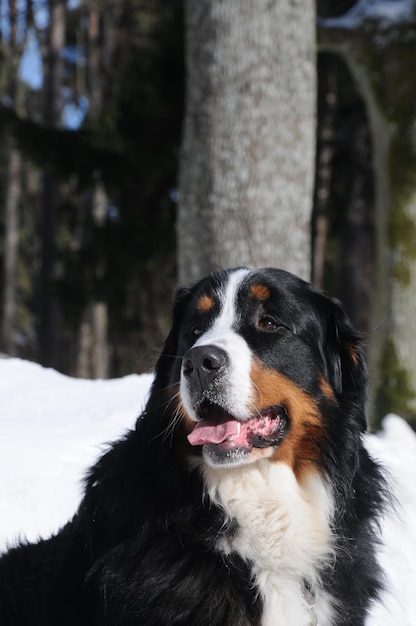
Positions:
(221, 334)
(224, 322)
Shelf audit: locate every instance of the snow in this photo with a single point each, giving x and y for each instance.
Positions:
(52, 428)
(387, 13)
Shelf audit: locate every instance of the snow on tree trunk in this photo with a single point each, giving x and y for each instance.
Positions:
(247, 162)
(378, 43)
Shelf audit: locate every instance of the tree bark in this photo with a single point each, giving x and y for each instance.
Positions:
(247, 162)
(12, 192)
(93, 350)
(47, 330)
(11, 243)
(323, 174)
(357, 237)
(93, 342)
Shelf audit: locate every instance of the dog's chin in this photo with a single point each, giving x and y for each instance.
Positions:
(220, 455)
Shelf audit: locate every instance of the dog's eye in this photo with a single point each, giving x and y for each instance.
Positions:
(267, 323)
(197, 330)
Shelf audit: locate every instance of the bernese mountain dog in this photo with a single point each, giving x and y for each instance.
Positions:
(244, 496)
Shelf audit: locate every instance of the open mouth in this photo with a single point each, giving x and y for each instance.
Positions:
(225, 434)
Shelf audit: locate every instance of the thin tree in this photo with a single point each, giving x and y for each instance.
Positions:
(105, 38)
(377, 41)
(49, 211)
(12, 189)
(247, 162)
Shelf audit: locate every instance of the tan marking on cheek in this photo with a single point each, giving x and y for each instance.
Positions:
(205, 303)
(260, 292)
(327, 389)
(300, 448)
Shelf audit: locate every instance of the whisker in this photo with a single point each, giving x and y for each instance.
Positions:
(169, 388)
(257, 388)
(170, 429)
(169, 402)
(177, 416)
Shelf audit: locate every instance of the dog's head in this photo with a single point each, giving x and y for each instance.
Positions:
(261, 365)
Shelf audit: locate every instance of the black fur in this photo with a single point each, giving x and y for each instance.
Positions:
(141, 549)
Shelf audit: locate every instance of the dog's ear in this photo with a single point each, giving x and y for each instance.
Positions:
(169, 359)
(345, 364)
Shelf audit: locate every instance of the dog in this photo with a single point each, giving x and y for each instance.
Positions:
(244, 496)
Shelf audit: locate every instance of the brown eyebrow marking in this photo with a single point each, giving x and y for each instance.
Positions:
(205, 303)
(260, 292)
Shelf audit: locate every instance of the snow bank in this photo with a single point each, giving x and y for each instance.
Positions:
(52, 428)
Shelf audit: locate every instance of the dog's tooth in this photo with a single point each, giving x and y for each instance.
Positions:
(237, 434)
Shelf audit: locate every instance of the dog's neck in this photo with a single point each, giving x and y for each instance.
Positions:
(283, 531)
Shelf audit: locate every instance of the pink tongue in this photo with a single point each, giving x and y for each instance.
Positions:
(207, 431)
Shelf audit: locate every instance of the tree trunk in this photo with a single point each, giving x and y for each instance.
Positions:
(52, 115)
(366, 37)
(47, 332)
(11, 241)
(328, 96)
(94, 62)
(93, 345)
(93, 350)
(12, 192)
(247, 162)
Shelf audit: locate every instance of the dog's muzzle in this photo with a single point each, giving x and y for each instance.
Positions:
(204, 367)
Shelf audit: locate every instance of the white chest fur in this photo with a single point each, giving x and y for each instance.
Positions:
(283, 530)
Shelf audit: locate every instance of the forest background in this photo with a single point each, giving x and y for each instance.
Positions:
(92, 101)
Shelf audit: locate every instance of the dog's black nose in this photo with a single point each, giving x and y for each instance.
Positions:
(201, 365)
